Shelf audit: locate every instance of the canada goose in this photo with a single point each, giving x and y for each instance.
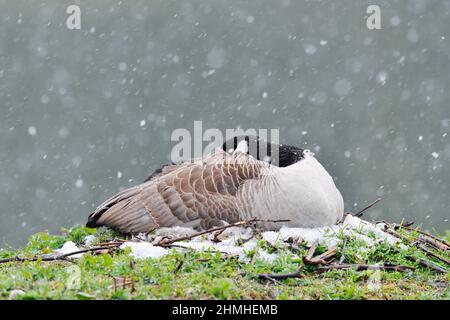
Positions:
(226, 187)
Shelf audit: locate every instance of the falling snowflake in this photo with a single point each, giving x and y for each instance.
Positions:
(32, 131)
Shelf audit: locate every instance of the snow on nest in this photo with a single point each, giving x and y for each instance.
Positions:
(238, 241)
(143, 250)
(88, 240)
(229, 244)
(69, 247)
(330, 236)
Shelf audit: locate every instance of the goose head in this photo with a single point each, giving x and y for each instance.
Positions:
(280, 155)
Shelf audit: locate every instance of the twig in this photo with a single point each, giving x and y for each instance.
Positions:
(427, 264)
(57, 257)
(268, 277)
(402, 225)
(165, 242)
(216, 236)
(379, 222)
(360, 212)
(124, 282)
(397, 235)
(360, 267)
(324, 258)
(208, 249)
(418, 245)
(344, 245)
(281, 276)
(294, 248)
(437, 244)
(310, 252)
(111, 243)
(432, 254)
(68, 260)
(178, 268)
(429, 235)
(202, 259)
(327, 255)
(427, 239)
(249, 238)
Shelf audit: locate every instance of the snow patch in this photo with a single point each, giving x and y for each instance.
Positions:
(69, 247)
(14, 294)
(88, 240)
(330, 236)
(144, 250)
(241, 242)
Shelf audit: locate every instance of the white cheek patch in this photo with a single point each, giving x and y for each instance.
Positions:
(242, 147)
(308, 152)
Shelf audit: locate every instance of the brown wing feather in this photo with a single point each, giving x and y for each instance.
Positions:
(199, 194)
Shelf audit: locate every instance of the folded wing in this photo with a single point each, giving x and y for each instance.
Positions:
(199, 194)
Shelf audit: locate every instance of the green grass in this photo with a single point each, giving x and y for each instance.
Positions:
(208, 275)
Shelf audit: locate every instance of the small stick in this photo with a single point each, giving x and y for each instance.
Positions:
(419, 246)
(432, 266)
(360, 267)
(434, 243)
(216, 236)
(124, 282)
(202, 259)
(294, 248)
(111, 243)
(249, 238)
(268, 277)
(69, 260)
(178, 268)
(361, 212)
(282, 276)
(344, 246)
(56, 257)
(330, 253)
(428, 235)
(401, 225)
(397, 235)
(427, 264)
(310, 252)
(432, 254)
(324, 258)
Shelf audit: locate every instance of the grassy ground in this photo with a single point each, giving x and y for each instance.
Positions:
(208, 275)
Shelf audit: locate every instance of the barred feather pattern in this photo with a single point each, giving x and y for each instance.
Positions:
(201, 193)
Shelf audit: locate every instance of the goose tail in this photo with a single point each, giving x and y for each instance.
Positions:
(125, 212)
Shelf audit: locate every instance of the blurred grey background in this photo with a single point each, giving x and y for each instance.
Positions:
(86, 112)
